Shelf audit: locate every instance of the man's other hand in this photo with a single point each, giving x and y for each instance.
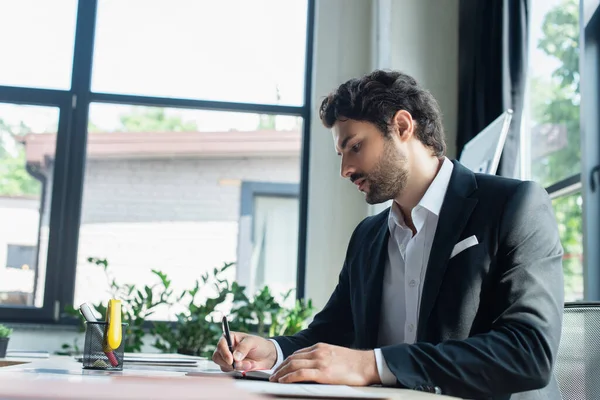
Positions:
(325, 363)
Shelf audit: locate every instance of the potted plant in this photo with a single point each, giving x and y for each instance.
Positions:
(4, 337)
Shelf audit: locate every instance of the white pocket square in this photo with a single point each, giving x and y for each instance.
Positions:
(464, 244)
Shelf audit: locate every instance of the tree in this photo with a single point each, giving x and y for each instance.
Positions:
(146, 119)
(14, 178)
(555, 100)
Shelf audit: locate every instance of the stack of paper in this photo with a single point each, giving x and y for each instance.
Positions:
(158, 359)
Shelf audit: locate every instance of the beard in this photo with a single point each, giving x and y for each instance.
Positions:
(388, 179)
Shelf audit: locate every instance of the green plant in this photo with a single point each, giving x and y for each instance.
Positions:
(292, 320)
(195, 332)
(253, 315)
(136, 305)
(5, 332)
(265, 316)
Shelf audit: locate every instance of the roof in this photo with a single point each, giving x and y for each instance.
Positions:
(40, 148)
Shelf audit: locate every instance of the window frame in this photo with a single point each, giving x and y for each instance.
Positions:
(70, 159)
(249, 190)
(589, 12)
(588, 180)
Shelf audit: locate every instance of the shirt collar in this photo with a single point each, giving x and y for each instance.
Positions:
(433, 198)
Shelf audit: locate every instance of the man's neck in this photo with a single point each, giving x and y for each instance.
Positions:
(421, 177)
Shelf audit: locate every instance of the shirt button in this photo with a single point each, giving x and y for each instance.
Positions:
(402, 247)
(412, 283)
(411, 327)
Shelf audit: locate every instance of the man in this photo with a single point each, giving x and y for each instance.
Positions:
(456, 288)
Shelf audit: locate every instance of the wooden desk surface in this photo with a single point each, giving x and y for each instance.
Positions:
(62, 377)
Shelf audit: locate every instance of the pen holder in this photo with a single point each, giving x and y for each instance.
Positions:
(95, 353)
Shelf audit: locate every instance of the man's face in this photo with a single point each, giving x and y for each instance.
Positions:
(371, 161)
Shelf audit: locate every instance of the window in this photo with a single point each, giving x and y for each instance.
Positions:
(553, 107)
(123, 144)
(568, 214)
(20, 257)
(226, 50)
(37, 38)
(554, 150)
(268, 236)
(26, 134)
(162, 191)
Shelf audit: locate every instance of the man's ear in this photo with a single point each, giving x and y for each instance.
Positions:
(403, 125)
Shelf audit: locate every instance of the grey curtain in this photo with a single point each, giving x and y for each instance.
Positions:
(493, 41)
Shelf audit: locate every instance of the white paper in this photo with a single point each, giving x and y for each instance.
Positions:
(305, 390)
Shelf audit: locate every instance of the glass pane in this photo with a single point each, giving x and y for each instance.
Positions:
(27, 146)
(568, 214)
(228, 50)
(163, 191)
(554, 91)
(274, 243)
(37, 37)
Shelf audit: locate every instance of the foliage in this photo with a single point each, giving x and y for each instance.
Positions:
(293, 320)
(252, 315)
(14, 178)
(196, 329)
(195, 332)
(136, 305)
(151, 119)
(5, 331)
(264, 316)
(556, 101)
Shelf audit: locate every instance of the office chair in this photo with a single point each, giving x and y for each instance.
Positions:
(577, 367)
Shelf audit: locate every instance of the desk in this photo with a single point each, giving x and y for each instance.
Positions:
(62, 377)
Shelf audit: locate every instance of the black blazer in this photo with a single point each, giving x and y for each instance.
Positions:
(490, 318)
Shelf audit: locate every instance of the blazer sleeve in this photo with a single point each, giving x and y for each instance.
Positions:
(333, 324)
(518, 353)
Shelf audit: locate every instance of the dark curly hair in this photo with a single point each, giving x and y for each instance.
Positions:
(377, 97)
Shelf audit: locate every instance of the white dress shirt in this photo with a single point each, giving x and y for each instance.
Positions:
(405, 269)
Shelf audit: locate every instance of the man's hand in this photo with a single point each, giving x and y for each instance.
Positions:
(324, 363)
(250, 352)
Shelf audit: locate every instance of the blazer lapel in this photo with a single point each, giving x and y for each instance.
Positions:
(455, 213)
(376, 258)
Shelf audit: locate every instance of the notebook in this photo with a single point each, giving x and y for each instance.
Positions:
(260, 375)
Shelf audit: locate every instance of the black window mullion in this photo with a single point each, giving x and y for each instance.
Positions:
(80, 90)
(33, 97)
(305, 155)
(151, 101)
(563, 184)
(58, 209)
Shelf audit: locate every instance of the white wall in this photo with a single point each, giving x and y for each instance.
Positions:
(422, 38)
(425, 45)
(335, 207)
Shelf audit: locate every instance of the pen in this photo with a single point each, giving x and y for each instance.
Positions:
(88, 315)
(225, 326)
